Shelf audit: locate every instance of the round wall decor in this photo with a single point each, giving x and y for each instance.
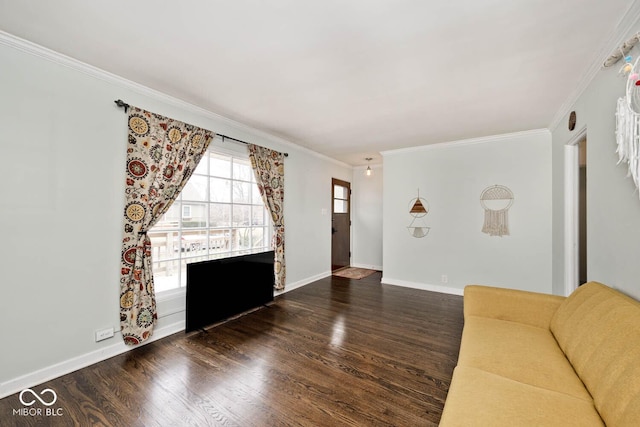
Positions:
(496, 201)
(418, 208)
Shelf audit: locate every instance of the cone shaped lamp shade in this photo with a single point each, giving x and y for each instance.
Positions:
(418, 228)
(418, 208)
(368, 171)
(419, 231)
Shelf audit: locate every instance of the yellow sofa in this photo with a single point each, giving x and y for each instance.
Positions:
(533, 359)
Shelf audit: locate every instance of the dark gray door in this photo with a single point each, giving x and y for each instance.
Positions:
(340, 224)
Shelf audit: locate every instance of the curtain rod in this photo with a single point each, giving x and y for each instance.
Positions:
(120, 103)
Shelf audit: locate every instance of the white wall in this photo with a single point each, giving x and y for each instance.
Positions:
(366, 217)
(451, 178)
(613, 205)
(63, 145)
(308, 216)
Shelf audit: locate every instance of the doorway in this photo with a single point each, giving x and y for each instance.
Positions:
(576, 212)
(340, 224)
(582, 211)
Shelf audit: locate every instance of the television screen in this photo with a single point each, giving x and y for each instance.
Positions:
(225, 287)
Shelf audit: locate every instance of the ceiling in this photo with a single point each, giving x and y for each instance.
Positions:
(346, 79)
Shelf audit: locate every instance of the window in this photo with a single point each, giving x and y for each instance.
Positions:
(186, 211)
(218, 214)
(340, 199)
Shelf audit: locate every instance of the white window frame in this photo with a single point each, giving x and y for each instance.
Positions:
(201, 243)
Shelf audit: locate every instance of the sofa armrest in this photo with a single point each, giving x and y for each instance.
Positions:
(531, 308)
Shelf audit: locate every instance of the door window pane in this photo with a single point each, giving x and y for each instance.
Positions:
(339, 192)
(340, 199)
(340, 206)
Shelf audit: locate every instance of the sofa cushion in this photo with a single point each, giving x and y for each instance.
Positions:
(485, 399)
(531, 308)
(598, 329)
(520, 352)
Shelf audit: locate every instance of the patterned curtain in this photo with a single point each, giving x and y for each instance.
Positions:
(268, 167)
(162, 153)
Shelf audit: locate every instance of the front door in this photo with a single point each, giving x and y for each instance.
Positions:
(340, 224)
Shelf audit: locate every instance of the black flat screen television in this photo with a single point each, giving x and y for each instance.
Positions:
(222, 288)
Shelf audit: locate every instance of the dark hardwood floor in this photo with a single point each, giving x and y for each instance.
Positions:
(337, 352)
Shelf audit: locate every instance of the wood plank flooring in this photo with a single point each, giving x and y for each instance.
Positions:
(337, 352)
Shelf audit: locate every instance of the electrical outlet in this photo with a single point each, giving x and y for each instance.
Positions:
(444, 278)
(103, 334)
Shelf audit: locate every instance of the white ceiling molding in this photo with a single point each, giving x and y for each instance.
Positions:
(66, 61)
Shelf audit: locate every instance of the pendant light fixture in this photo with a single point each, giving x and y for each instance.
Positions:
(368, 171)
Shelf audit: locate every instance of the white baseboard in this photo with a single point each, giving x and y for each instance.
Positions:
(301, 283)
(423, 286)
(54, 371)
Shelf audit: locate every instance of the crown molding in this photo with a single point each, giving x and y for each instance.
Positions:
(47, 54)
(617, 37)
(467, 142)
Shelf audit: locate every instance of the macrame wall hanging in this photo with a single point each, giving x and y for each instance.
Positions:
(496, 201)
(628, 120)
(418, 209)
